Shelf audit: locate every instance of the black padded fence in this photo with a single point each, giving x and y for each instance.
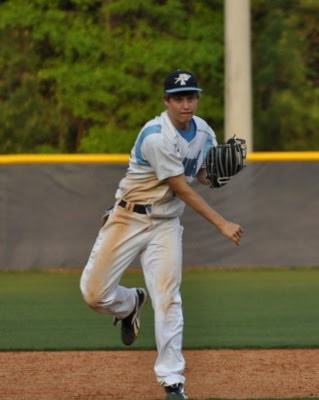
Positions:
(50, 215)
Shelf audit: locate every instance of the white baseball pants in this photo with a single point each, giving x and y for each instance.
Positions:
(125, 235)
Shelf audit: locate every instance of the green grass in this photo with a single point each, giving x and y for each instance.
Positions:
(252, 308)
(265, 308)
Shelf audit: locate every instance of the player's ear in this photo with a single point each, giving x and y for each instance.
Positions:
(166, 98)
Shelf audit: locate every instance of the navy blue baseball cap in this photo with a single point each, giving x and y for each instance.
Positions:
(181, 81)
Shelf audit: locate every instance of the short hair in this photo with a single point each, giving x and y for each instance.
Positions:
(179, 94)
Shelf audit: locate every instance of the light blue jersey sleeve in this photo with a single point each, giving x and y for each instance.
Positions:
(152, 150)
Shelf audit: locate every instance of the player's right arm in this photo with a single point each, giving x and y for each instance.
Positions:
(189, 196)
(202, 176)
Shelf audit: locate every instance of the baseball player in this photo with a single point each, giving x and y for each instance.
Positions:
(168, 155)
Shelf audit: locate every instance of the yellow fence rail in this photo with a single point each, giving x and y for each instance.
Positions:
(284, 156)
(123, 158)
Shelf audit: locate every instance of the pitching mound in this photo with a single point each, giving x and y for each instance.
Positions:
(122, 375)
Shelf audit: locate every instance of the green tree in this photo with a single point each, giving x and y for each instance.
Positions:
(286, 75)
(28, 118)
(84, 75)
(96, 68)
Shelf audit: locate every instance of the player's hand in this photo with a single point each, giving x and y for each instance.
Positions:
(232, 231)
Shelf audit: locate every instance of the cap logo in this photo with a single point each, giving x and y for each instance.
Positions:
(182, 79)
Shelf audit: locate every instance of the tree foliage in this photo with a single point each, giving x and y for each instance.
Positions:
(85, 75)
(286, 75)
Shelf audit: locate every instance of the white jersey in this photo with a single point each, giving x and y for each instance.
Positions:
(160, 151)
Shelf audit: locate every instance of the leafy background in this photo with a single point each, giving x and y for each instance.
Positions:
(84, 75)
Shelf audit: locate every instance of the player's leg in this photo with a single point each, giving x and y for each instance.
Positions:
(162, 261)
(117, 244)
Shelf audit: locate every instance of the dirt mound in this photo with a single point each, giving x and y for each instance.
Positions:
(123, 375)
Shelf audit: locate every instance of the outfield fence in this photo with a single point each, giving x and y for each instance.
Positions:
(50, 208)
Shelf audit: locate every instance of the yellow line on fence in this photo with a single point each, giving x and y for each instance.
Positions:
(283, 156)
(63, 158)
(123, 158)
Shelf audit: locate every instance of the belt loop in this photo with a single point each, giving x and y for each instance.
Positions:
(129, 206)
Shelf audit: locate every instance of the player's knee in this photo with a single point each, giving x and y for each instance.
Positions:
(89, 294)
(95, 299)
(90, 297)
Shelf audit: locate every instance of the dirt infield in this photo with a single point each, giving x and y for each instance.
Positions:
(121, 375)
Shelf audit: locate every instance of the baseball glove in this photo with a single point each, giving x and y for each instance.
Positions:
(224, 161)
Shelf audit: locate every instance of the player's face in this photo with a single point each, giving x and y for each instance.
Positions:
(181, 108)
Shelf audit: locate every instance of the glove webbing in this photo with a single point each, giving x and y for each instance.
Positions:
(222, 158)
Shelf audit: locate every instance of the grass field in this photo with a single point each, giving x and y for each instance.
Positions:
(265, 308)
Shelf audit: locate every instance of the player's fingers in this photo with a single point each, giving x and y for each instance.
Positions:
(235, 239)
(237, 236)
(240, 232)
